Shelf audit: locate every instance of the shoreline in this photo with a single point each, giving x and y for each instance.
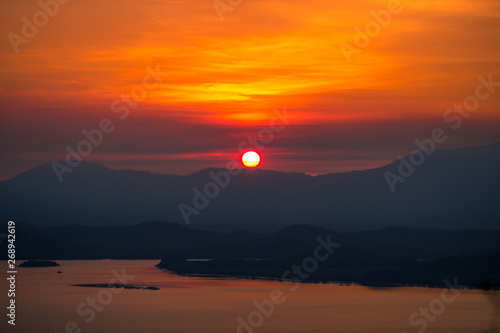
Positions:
(341, 283)
(273, 279)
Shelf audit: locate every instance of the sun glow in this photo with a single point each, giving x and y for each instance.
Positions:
(250, 159)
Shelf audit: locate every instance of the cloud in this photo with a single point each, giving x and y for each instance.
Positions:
(226, 77)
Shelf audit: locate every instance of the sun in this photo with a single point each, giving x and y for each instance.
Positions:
(250, 159)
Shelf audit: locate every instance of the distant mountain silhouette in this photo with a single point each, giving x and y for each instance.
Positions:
(452, 189)
(152, 240)
(390, 255)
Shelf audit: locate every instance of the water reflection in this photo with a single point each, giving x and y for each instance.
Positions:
(494, 297)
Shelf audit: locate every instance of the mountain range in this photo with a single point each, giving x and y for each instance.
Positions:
(453, 189)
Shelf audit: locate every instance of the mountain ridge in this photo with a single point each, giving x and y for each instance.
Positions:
(437, 194)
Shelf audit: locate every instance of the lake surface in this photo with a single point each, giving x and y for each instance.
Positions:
(47, 301)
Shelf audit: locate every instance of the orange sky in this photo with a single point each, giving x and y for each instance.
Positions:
(225, 78)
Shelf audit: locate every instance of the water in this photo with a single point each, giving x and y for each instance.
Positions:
(47, 301)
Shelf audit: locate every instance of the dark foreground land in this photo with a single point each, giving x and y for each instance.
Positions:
(350, 266)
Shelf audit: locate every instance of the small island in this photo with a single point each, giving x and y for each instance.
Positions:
(39, 263)
(117, 286)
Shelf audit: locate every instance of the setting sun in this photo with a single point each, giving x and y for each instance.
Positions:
(250, 159)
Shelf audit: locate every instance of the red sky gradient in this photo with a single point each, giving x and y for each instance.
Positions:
(226, 77)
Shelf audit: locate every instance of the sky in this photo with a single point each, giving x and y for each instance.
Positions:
(226, 76)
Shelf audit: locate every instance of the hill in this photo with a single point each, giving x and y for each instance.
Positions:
(453, 189)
